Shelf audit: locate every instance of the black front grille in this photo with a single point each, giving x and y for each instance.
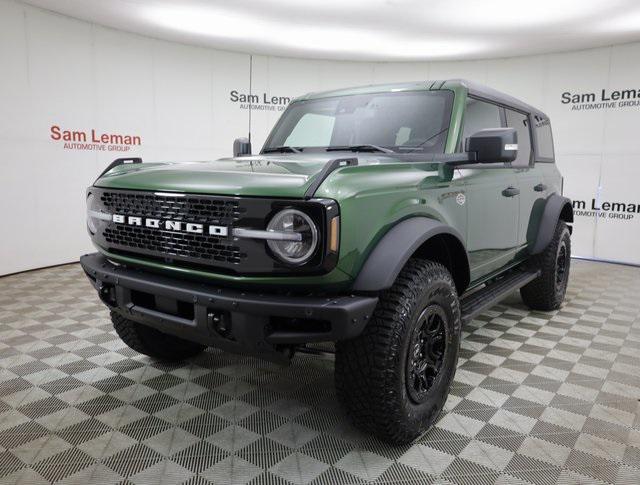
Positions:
(202, 248)
(155, 226)
(207, 249)
(177, 208)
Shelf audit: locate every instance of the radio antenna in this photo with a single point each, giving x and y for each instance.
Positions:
(250, 91)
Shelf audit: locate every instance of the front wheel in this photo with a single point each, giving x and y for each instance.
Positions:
(548, 290)
(394, 378)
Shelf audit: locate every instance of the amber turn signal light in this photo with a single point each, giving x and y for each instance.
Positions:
(334, 234)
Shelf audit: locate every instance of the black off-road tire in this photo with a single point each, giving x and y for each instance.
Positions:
(151, 342)
(547, 292)
(373, 371)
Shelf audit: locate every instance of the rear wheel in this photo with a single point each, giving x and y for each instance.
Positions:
(152, 342)
(547, 292)
(394, 378)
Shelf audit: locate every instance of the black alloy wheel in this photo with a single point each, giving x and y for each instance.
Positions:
(426, 352)
(561, 265)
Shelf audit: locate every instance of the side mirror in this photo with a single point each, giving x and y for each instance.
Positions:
(241, 147)
(494, 145)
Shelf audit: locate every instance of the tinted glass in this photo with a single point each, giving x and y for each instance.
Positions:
(520, 122)
(478, 116)
(313, 129)
(544, 139)
(415, 121)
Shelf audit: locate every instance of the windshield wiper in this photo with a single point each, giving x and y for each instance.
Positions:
(414, 148)
(360, 148)
(282, 149)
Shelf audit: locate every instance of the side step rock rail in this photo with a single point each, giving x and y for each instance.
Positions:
(492, 293)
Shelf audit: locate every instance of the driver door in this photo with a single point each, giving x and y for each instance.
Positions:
(491, 193)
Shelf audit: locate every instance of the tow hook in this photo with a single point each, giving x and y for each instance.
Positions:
(219, 323)
(107, 294)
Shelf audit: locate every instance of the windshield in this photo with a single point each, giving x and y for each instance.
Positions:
(404, 122)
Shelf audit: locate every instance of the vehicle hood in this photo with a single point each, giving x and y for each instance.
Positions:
(288, 175)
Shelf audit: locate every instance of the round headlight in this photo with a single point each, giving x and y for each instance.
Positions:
(296, 222)
(91, 224)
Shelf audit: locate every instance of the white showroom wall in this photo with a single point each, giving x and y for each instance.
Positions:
(184, 103)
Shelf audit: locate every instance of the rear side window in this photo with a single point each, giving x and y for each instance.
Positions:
(520, 122)
(480, 115)
(544, 140)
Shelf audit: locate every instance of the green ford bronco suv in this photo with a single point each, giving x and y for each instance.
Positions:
(381, 218)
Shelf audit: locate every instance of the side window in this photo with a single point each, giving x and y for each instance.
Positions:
(312, 130)
(544, 139)
(520, 122)
(479, 115)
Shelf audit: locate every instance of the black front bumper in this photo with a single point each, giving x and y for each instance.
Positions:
(234, 320)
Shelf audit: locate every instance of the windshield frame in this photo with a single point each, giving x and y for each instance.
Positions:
(447, 122)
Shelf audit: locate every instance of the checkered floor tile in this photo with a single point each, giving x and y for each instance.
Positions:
(538, 398)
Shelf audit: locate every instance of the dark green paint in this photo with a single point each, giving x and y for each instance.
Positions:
(373, 196)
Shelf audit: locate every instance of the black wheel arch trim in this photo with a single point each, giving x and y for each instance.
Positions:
(397, 246)
(557, 207)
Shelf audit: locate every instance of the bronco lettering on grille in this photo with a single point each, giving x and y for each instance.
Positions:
(177, 226)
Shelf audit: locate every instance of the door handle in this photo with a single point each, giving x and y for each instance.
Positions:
(510, 192)
(540, 188)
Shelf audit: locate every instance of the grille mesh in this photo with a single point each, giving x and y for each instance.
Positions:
(189, 208)
(169, 243)
(196, 247)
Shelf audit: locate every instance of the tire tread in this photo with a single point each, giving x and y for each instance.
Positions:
(540, 294)
(365, 371)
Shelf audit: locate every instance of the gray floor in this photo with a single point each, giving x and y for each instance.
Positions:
(538, 397)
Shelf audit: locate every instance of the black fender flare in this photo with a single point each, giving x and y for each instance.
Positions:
(556, 207)
(392, 252)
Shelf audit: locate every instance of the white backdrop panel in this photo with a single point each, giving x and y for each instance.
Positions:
(392, 72)
(581, 180)
(577, 72)
(616, 232)
(184, 103)
(621, 125)
(230, 72)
